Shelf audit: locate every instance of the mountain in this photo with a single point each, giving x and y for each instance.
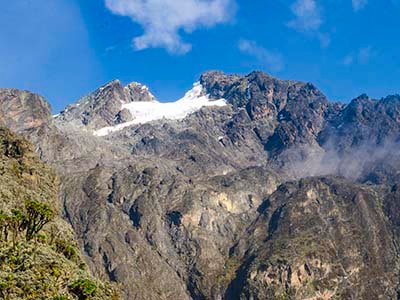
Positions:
(249, 187)
(39, 257)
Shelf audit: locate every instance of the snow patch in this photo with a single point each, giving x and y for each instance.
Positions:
(144, 112)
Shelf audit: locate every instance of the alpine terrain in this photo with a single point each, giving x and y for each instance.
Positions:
(249, 187)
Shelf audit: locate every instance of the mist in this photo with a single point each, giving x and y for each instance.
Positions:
(353, 163)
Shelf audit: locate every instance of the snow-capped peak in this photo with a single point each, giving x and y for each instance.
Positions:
(144, 112)
(138, 92)
(195, 93)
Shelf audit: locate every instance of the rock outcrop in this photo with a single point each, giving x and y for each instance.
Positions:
(102, 108)
(279, 194)
(22, 110)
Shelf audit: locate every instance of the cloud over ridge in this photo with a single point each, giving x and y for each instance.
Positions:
(272, 60)
(163, 20)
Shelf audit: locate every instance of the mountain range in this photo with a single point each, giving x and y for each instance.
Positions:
(249, 187)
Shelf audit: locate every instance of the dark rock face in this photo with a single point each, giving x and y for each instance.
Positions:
(364, 121)
(284, 113)
(103, 108)
(98, 109)
(321, 238)
(22, 110)
(136, 92)
(234, 202)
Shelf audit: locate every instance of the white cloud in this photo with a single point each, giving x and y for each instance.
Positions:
(365, 54)
(308, 20)
(362, 56)
(359, 4)
(162, 20)
(307, 16)
(348, 59)
(269, 59)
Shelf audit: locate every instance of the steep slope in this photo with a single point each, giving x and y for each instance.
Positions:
(212, 204)
(48, 266)
(103, 107)
(319, 238)
(22, 110)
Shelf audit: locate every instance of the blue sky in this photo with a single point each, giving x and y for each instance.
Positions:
(64, 49)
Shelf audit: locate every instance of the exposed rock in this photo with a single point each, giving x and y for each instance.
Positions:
(22, 110)
(123, 116)
(103, 107)
(208, 207)
(137, 92)
(320, 238)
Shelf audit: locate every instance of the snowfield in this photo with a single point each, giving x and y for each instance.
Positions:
(144, 112)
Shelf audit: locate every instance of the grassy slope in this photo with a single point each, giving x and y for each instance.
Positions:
(49, 266)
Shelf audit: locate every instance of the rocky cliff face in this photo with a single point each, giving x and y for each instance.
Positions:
(103, 107)
(277, 194)
(22, 110)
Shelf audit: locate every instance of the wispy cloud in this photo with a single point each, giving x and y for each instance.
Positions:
(307, 16)
(308, 19)
(162, 20)
(365, 54)
(359, 4)
(271, 60)
(348, 59)
(362, 56)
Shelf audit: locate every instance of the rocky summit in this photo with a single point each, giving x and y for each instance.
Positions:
(249, 187)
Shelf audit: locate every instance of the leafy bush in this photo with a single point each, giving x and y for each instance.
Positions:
(11, 224)
(60, 297)
(31, 220)
(65, 248)
(83, 288)
(37, 215)
(30, 266)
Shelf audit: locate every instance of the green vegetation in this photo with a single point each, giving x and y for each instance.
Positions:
(231, 266)
(83, 288)
(68, 250)
(39, 257)
(287, 294)
(30, 220)
(37, 215)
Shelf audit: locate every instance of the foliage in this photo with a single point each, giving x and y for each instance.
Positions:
(288, 294)
(38, 254)
(12, 223)
(60, 297)
(31, 220)
(37, 215)
(83, 288)
(68, 250)
(231, 267)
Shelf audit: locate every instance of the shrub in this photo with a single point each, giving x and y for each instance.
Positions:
(37, 215)
(32, 219)
(4, 226)
(83, 288)
(15, 224)
(68, 250)
(60, 297)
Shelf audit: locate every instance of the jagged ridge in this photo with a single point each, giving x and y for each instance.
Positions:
(213, 206)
